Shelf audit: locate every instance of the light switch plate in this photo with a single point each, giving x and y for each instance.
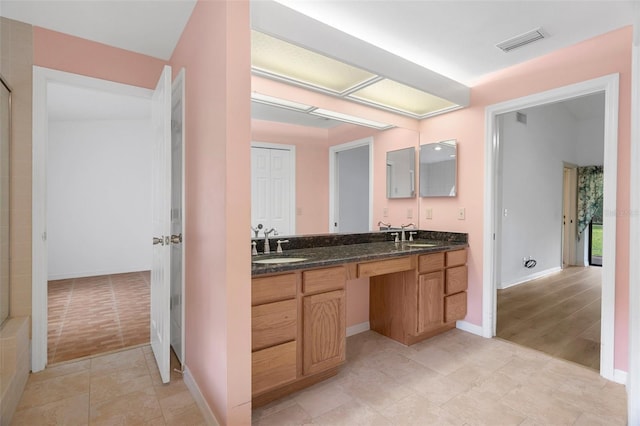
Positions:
(409, 213)
(429, 213)
(385, 212)
(461, 213)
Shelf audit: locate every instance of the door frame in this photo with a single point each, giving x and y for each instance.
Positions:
(608, 84)
(39, 267)
(292, 176)
(573, 193)
(333, 181)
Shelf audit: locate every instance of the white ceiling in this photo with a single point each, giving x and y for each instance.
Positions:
(454, 38)
(457, 38)
(149, 27)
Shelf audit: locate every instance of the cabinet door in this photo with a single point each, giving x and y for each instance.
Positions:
(324, 339)
(430, 294)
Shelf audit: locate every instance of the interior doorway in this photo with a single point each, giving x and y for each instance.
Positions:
(98, 185)
(494, 229)
(351, 186)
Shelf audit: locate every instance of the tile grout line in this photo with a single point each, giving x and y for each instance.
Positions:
(116, 308)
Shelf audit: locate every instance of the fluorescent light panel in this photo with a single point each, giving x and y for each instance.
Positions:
(287, 60)
(394, 95)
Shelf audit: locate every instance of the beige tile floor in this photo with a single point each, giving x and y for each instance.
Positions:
(122, 388)
(453, 379)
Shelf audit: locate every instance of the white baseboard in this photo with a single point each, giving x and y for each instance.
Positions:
(620, 376)
(71, 275)
(209, 418)
(358, 328)
(468, 327)
(530, 277)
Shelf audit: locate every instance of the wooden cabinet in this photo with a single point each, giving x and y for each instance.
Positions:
(415, 305)
(298, 329)
(430, 309)
(274, 332)
(325, 328)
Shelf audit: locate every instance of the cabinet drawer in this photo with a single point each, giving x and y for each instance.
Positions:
(272, 289)
(382, 267)
(273, 323)
(273, 367)
(430, 262)
(320, 280)
(455, 307)
(458, 257)
(456, 279)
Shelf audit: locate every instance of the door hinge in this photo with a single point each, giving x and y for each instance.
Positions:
(44, 236)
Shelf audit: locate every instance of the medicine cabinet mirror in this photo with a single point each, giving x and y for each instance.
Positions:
(401, 173)
(438, 169)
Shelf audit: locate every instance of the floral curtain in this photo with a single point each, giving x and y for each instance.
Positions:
(589, 195)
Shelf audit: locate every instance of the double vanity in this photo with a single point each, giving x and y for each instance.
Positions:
(417, 290)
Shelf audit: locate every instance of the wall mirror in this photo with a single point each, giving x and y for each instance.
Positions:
(279, 128)
(438, 169)
(401, 173)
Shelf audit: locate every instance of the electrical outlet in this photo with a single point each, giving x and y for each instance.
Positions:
(461, 213)
(409, 213)
(429, 214)
(385, 212)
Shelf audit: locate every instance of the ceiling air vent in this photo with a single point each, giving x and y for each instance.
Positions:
(522, 40)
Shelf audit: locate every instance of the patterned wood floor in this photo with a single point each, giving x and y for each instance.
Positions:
(558, 315)
(94, 315)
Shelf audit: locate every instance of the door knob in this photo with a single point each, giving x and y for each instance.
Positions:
(175, 239)
(157, 240)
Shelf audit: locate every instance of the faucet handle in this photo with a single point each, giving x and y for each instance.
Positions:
(279, 248)
(254, 250)
(411, 234)
(395, 234)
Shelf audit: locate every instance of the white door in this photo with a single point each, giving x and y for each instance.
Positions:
(271, 190)
(177, 215)
(161, 222)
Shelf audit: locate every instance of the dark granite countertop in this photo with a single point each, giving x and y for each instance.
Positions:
(340, 254)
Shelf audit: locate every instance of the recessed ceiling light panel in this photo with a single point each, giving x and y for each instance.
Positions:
(283, 59)
(394, 95)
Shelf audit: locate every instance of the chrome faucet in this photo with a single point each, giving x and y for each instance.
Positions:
(256, 229)
(403, 236)
(386, 225)
(267, 248)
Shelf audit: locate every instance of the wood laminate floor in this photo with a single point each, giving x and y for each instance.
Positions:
(95, 315)
(558, 314)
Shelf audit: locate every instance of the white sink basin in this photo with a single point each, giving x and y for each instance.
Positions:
(421, 245)
(277, 260)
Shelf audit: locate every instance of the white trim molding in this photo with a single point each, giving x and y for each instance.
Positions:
(358, 328)
(529, 277)
(201, 402)
(609, 85)
(41, 78)
(633, 376)
(333, 150)
(469, 327)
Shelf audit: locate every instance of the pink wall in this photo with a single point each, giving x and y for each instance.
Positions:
(214, 49)
(312, 170)
(79, 56)
(607, 54)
